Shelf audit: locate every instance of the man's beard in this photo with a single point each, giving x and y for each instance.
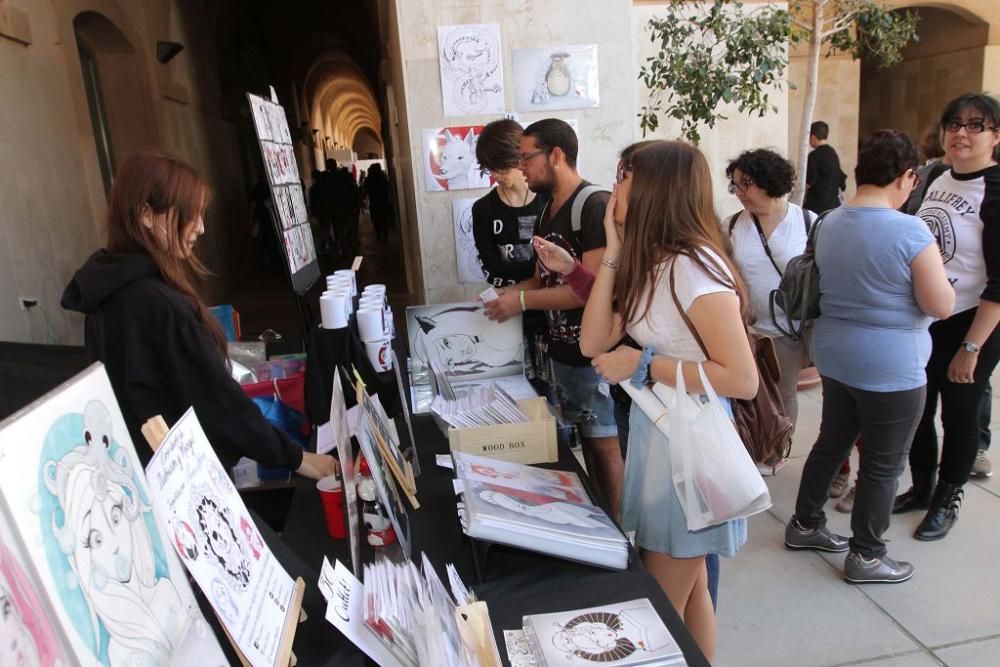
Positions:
(545, 185)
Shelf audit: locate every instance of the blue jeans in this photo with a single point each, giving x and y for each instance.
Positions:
(583, 404)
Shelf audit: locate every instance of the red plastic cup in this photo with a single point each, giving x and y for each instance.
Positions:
(331, 493)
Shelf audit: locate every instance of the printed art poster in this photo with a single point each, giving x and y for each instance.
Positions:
(212, 532)
(471, 63)
(465, 343)
(450, 159)
(469, 269)
(78, 505)
(558, 77)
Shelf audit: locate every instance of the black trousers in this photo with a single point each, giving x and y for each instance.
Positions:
(961, 404)
(886, 422)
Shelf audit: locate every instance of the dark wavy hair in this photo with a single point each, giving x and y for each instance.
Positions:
(769, 171)
(884, 157)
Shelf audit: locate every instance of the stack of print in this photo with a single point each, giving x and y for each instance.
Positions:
(480, 406)
(547, 511)
(625, 634)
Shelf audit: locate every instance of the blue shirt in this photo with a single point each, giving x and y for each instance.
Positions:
(871, 333)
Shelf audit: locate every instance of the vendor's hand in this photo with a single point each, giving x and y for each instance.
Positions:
(962, 368)
(553, 257)
(612, 230)
(617, 365)
(505, 306)
(318, 466)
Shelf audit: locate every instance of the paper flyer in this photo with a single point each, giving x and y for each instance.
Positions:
(345, 610)
(218, 542)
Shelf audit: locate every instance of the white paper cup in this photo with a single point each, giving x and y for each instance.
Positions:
(346, 294)
(333, 311)
(348, 274)
(370, 302)
(374, 289)
(371, 324)
(380, 353)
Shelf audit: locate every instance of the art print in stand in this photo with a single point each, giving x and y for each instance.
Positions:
(218, 541)
(345, 453)
(463, 341)
(27, 635)
(471, 64)
(559, 77)
(388, 495)
(76, 498)
(469, 268)
(627, 633)
(450, 159)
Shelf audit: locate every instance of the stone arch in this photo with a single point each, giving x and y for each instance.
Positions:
(947, 61)
(339, 99)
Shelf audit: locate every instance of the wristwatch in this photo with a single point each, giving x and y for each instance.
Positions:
(970, 347)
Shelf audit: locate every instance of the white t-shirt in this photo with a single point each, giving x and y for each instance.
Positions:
(663, 328)
(788, 240)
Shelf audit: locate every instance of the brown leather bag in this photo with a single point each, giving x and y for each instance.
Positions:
(761, 421)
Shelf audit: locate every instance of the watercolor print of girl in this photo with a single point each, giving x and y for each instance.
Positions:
(463, 342)
(596, 637)
(26, 637)
(105, 538)
(553, 512)
(222, 546)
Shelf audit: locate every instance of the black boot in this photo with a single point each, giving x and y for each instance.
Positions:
(918, 497)
(942, 514)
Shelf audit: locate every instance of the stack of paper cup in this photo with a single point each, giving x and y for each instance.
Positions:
(371, 323)
(348, 274)
(334, 308)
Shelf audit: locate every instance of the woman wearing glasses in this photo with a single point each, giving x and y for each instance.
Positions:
(767, 233)
(962, 209)
(881, 281)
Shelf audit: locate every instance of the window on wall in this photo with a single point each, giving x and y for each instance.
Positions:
(98, 117)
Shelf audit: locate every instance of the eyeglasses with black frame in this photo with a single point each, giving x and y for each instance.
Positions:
(742, 186)
(974, 126)
(917, 179)
(525, 157)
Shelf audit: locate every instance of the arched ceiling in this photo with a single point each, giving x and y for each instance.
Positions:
(339, 96)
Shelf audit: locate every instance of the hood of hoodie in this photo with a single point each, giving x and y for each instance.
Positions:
(104, 274)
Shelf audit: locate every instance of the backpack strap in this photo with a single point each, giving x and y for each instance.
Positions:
(808, 218)
(581, 198)
(732, 222)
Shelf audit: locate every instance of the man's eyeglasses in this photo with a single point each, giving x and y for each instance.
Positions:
(524, 157)
(624, 170)
(917, 180)
(975, 126)
(742, 186)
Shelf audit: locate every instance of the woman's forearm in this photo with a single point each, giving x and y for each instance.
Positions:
(598, 324)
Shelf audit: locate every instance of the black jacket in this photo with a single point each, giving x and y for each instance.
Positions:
(161, 360)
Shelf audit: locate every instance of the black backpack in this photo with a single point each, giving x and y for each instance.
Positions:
(798, 292)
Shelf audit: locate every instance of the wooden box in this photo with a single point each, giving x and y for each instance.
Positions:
(525, 442)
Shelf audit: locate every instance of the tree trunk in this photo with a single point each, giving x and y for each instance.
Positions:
(809, 104)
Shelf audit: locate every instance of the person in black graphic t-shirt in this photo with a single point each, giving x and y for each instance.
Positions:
(824, 178)
(503, 223)
(548, 159)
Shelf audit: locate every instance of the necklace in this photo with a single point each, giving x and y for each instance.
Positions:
(510, 201)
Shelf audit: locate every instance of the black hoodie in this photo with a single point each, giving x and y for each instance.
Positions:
(161, 360)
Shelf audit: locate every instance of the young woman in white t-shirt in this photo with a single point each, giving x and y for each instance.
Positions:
(669, 225)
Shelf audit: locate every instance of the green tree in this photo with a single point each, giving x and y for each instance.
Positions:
(861, 28)
(709, 54)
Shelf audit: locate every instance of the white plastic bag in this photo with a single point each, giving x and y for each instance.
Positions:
(714, 476)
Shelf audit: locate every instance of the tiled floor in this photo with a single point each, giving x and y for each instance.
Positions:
(780, 608)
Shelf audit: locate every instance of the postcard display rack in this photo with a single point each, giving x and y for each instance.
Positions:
(288, 210)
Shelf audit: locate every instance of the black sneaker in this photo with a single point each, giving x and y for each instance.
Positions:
(798, 536)
(884, 570)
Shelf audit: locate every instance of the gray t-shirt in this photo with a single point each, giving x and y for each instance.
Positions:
(871, 333)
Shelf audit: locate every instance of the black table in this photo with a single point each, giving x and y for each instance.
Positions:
(516, 582)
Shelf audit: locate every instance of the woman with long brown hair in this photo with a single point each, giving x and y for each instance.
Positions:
(163, 350)
(664, 247)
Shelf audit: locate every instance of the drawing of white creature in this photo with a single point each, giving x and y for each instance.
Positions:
(471, 68)
(469, 268)
(464, 342)
(221, 543)
(597, 636)
(104, 536)
(457, 159)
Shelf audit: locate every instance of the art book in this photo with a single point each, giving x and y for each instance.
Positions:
(99, 557)
(212, 532)
(555, 483)
(625, 634)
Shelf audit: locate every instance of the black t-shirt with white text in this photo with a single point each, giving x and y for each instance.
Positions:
(563, 335)
(503, 237)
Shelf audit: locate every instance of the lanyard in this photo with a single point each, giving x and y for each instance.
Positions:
(763, 242)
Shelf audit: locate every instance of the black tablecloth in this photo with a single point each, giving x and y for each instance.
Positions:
(516, 582)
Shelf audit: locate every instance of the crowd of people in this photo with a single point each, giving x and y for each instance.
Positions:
(336, 201)
(647, 282)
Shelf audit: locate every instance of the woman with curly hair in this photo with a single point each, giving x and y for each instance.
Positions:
(769, 231)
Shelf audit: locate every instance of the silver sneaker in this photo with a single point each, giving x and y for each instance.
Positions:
(798, 536)
(982, 468)
(884, 570)
(846, 504)
(839, 484)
